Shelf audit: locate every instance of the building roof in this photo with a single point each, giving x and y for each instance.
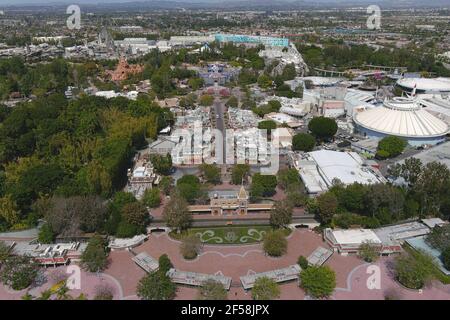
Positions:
(401, 117)
(279, 275)
(426, 84)
(355, 236)
(345, 166)
(440, 153)
(319, 256)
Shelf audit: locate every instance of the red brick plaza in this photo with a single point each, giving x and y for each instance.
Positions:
(352, 274)
(236, 261)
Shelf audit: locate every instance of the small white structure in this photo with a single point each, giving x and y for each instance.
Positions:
(280, 275)
(146, 262)
(319, 256)
(349, 241)
(197, 279)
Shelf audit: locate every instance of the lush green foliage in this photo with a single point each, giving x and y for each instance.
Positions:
(281, 214)
(95, 257)
(211, 173)
(323, 128)
(239, 173)
(275, 243)
(18, 272)
(176, 214)
(263, 185)
(303, 142)
(265, 289)
(318, 282)
(303, 262)
(212, 290)
(413, 270)
(152, 197)
(156, 286)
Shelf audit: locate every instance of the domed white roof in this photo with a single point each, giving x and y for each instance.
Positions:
(402, 117)
(426, 84)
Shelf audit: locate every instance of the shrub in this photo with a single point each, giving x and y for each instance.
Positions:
(318, 282)
(265, 289)
(212, 290)
(446, 258)
(303, 262)
(190, 247)
(303, 142)
(414, 270)
(275, 244)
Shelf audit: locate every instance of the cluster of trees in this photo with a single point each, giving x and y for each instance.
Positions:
(52, 147)
(425, 192)
(128, 217)
(348, 56)
(263, 185)
(211, 173)
(318, 282)
(439, 238)
(271, 106)
(415, 269)
(157, 285)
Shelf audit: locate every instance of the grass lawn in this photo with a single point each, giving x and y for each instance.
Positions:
(229, 235)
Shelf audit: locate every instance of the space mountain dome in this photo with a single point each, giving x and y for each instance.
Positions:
(401, 117)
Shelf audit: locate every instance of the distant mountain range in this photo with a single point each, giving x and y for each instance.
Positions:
(229, 4)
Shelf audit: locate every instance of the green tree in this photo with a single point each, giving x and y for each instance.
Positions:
(156, 286)
(18, 272)
(265, 289)
(239, 173)
(162, 164)
(327, 205)
(152, 198)
(446, 258)
(414, 270)
(303, 142)
(392, 145)
(190, 246)
(268, 125)
(164, 263)
(46, 234)
(281, 214)
(232, 102)
(166, 184)
(288, 178)
(4, 252)
(303, 262)
(263, 185)
(206, 100)
(368, 251)
(212, 290)
(323, 128)
(439, 237)
(275, 243)
(189, 187)
(95, 257)
(211, 173)
(176, 214)
(318, 282)
(136, 214)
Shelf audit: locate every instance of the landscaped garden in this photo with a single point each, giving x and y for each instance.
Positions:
(228, 235)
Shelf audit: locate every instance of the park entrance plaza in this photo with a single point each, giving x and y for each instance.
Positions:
(245, 261)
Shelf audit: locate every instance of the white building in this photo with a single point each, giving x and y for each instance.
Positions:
(320, 169)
